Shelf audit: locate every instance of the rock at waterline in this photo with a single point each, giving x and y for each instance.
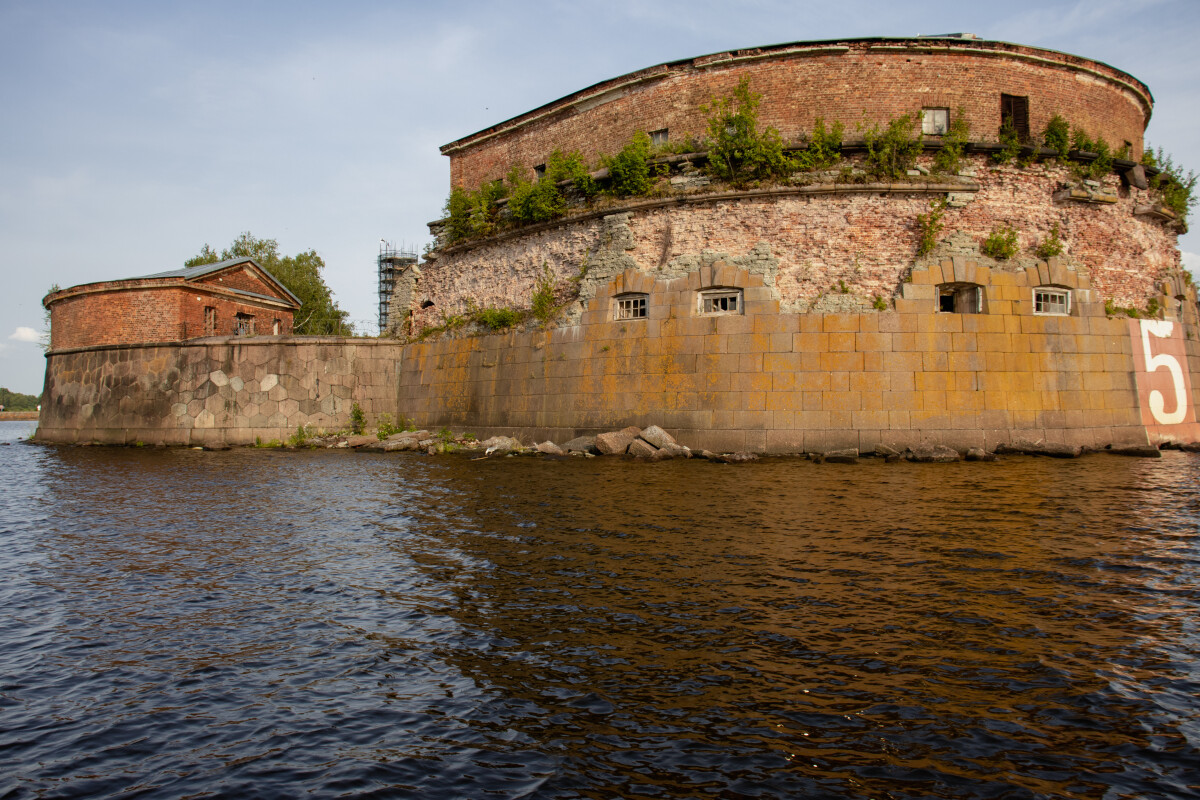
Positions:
(550, 449)
(926, 453)
(642, 449)
(581, 444)
(657, 437)
(616, 442)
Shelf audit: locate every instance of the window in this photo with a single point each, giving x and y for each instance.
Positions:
(935, 121)
(243, 325)
(721, 301)
(1051, 300)
(210, 321)
(539, 172)
(631, 306)
(1014, 113)
(658, 137)
(960, 298)
(275, 328)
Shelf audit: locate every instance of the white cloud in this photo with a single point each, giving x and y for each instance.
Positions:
(23, 334)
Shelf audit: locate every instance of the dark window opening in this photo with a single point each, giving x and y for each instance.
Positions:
(1014, 113)
(960, 298)
(427, 304)
(539, 172)
(243, 325)
(658, 137)
(210, 321)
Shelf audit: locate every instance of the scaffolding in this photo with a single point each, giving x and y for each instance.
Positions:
(392, 262)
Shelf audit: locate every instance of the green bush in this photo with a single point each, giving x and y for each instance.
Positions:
(533, 201)
(497, 319)
(542, 302)
(954, 144)
(822, 150)
(1010, 144)
(930, 225)
(571, 167)
(1103, 163)
(1001, 243)
(384, 427)
(738, 151)
(1058, 135)
(1051, 246)
(1175, 189)
(358, 420)
(629, 170)
(893, 150)
(473, 214)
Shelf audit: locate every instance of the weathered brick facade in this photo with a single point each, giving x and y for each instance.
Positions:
(184, 304)
(851, 81)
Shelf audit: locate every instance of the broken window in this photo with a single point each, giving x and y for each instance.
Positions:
(721, 301)
(1052, 300)
(210, 321)
(1014, 113)
(658, 138)
(539, 172)
(960, 298)
(935, 121)
(243, 325)
(631, 306)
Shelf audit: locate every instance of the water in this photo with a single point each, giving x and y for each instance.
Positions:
(180, 623)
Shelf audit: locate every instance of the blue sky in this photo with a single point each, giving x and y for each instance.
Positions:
(135, 132)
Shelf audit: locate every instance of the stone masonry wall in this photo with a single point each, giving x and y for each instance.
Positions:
(216, 390)
(850, 82)
(863, 240)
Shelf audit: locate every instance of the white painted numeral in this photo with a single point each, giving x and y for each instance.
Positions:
(1162, 329)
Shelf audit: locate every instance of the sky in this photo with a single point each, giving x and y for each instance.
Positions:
(133, 133)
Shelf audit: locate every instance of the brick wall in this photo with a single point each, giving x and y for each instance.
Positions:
(856, 82)
(123, 312)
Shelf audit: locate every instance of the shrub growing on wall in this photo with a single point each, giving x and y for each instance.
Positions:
(738, 151)
(629, 170)
(954, 144)
(1175, 188)
(1058, 135)
(893, 150)
(822, 150)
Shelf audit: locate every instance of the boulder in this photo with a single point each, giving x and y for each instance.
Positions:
(737, 458)
(1041, 448)
(846, 456)
(979, 454)
(581, 444)
(1135, 450)
(676, 451)
(657, 436)
(500, 444)
(1190, 447)
(418, 435)
(642, 449)
(888, 454)
(926, 453)
(615, 442)
(550, 448)
(360, 441)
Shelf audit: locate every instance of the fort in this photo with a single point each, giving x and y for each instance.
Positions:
(958, 271)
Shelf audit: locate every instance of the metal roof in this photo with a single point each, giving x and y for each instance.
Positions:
(200, 270)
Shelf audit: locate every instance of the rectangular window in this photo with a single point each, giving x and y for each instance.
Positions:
(631, 306)
(275, 328)
(1014, 113)
(721, 301)
(960, 298)
(935, 121)
(210, 321)
(1052, 301)
(658, 138)
(243, 325)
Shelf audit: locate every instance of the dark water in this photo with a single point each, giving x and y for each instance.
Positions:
(179, 623)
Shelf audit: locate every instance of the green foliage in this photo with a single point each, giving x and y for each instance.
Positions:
(470, 437)
(1113, 310)
(298, 438)
(1010, 144)
(45, 343)
(15, 401)
(930, 225)
(384, 427)
(1152, 307)
(1058, 135)
(842, 287)
(542, 302)
(534, 201)
(1001, 243)
(1175, 188)
(893, 150)
(1051, 246)
(738, 151)
(318, 314)
(497, 319)
(571, 167)
(879, 304)
(629, 170)
(954, 144)
(822, 150)
(473, 214)
(1103, 163)
(358, 420)
(446, 435)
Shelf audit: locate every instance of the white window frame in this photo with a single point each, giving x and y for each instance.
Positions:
(1041, 293)
(633, 305)
(930, 123)
(709, 302)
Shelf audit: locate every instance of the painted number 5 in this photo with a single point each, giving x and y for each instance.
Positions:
(1162, 329)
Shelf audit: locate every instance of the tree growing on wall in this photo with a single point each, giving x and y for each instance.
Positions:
(318, 314)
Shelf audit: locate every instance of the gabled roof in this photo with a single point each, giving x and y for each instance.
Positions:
(201, 270)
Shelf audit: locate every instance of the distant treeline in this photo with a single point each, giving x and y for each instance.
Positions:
(14, 401)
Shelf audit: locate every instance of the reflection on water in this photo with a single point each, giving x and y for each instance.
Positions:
(261, 623)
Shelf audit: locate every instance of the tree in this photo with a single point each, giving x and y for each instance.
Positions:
(301, 274)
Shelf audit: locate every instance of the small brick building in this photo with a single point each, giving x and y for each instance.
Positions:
(236, 297)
